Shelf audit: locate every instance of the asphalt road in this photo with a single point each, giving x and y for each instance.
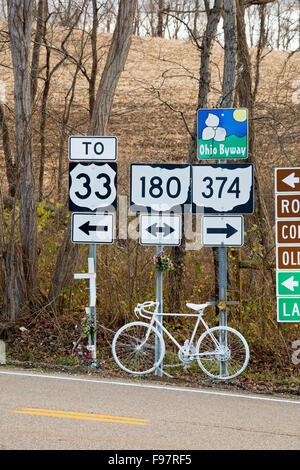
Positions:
(42, 411)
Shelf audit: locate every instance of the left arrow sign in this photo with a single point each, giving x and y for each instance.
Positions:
(92, 228)
(87, 228)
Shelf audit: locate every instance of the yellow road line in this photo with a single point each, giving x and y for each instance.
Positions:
(83, 416)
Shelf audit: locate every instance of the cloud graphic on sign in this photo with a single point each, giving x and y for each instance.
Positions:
(212, 131)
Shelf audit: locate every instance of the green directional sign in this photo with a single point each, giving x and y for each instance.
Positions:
(288, 283)
(288, 309)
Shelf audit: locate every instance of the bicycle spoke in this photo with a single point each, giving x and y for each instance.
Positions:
(134, 348)
(222, 353)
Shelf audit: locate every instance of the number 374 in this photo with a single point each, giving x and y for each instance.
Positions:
(220, 185)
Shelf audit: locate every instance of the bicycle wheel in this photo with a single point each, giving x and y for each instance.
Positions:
(222, 353)
(133, 348)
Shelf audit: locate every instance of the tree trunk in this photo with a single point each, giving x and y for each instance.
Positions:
(92, 81)
(41, 17)
(213, 20)
(19, 25)
(160, 18)
(9, 163)
(245, 97)
(176, 277)
(114, 66)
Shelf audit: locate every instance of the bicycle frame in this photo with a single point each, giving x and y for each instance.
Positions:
(198, 315)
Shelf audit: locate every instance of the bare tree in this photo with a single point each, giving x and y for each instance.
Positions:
(40, 26)
(114, 66)
(178, 253)
(19, 25)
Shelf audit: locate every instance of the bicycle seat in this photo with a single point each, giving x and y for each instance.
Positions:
(196, 306)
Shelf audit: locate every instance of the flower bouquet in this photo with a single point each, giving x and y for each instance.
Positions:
(162, 262)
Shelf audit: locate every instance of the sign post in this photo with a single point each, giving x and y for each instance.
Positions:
(223, 189)
(159, 299)
(92, 188)
(287, 207)
(158, 192)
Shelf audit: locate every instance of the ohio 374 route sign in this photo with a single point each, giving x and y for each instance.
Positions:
(223, 188)
(92, 186)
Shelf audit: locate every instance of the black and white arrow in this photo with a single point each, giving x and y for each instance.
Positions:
(87, 228)
(164, 229)
(228, 230)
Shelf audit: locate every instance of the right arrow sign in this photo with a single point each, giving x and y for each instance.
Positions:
(223, 231)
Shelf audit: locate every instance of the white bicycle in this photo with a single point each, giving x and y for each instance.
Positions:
(139, 348)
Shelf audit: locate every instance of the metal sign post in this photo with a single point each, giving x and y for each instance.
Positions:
(92, 187)
(91, 309)
(159, 299)
(93, 317)
(222, 254)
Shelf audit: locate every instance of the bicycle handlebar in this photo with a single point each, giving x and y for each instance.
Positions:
(146, 306)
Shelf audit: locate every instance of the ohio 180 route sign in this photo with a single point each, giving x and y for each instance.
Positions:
(92, 186)
(223, 188)
(160, 187)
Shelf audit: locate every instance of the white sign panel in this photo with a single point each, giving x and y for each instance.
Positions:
(160, 187)
(160, 229)
(223, 188)
(223, 231)
(92, 148)
(92, 228)
(92, 186)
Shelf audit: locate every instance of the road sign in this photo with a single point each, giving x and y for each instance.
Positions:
(288, 232)
(92, 228)
(288, 257)
(288, 309)
(160, 187)
(92, 186)
(222, 133)
(223, 188)
(160, 229)
(287, 180)
(287, 195)
(92, 148)
(287, 206)
(223, 231)
(288, 283)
